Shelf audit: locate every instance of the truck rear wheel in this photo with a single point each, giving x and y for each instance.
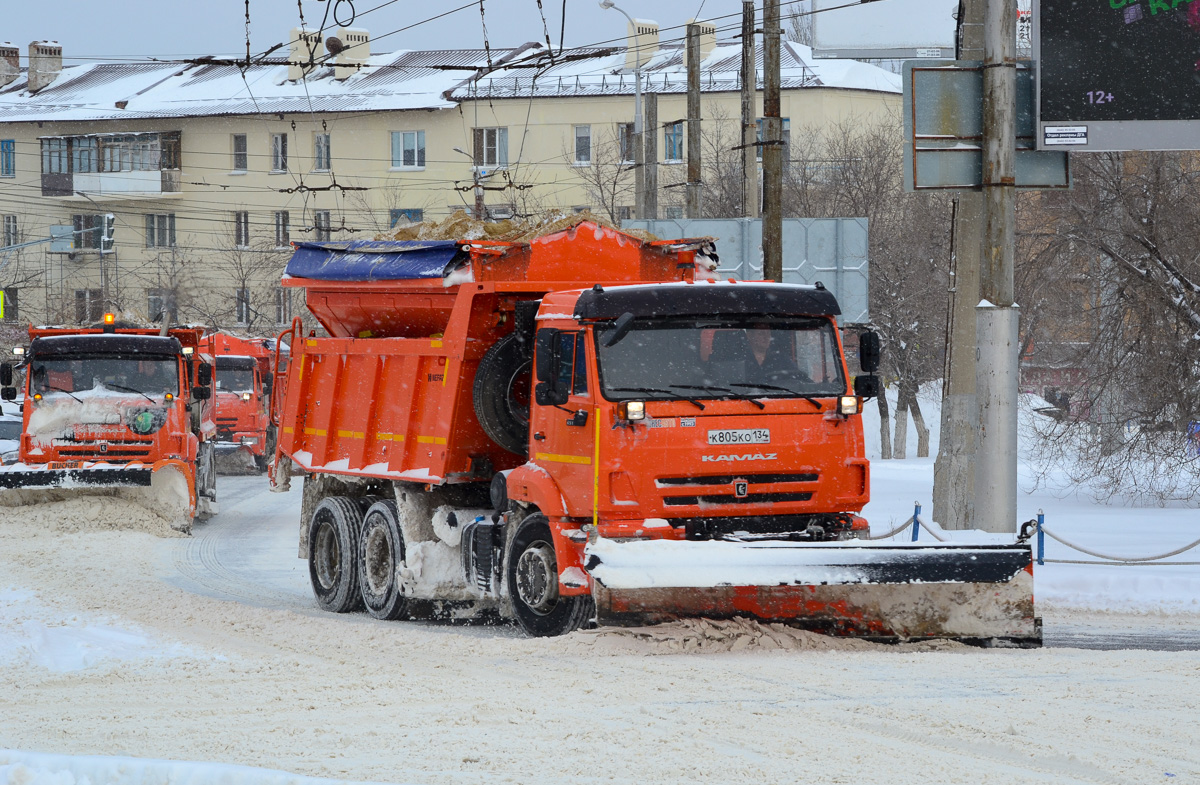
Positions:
(333, 554)
(501, 392)
(532, 573)
(380, 551)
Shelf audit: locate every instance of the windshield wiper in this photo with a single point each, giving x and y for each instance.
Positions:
(61, 390)
(762, 386)
(726, 390)
(129, 389)
(657, 391)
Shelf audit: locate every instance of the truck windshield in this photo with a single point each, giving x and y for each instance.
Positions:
(780, 358)
(235, 379)
(146, 375)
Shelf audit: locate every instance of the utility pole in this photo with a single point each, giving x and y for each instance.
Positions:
(749, 117)
(954, 468)
(480, 211)
(693, 120)
(997, 315)
(650, 138)
(772, 155)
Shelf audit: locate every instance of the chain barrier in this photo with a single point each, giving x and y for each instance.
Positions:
(1037, 527)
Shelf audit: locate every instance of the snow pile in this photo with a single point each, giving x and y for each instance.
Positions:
(67, 511)
(32, 633)
(32, 768)
(706, 636)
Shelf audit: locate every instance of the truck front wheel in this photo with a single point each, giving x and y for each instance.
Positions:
(380, 551)
(532, 573)
(333, 554)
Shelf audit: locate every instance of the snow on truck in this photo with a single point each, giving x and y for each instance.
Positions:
(115, 409)
(245, 437)
(586, 427)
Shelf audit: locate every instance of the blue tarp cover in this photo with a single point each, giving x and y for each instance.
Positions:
(372, 260)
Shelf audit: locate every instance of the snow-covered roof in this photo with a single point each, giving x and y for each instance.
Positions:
(433, 79)
(582, 72)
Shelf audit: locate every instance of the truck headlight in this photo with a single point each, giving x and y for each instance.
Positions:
(631, 410)
(245, 396)
(249, 440)
(848, 404)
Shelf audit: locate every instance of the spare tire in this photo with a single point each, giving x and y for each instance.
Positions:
(502, 392)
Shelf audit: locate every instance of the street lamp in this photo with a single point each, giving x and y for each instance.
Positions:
(637, 110)
(478, 186)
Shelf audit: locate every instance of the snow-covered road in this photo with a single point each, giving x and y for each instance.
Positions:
(121, 643)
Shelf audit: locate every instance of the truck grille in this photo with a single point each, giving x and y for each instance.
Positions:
(751, 498)
(114, 451)
(727, 479)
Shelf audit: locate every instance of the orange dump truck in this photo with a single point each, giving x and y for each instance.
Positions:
(115, 409)
(245, 438)
(586, 428)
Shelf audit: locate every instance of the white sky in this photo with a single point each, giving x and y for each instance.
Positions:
(88, 29)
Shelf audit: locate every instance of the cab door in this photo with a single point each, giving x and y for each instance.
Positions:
(564, 433)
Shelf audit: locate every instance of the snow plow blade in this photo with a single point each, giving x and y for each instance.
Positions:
(976, 594)
(163, 488)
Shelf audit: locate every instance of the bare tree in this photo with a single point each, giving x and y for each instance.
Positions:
(608, 178)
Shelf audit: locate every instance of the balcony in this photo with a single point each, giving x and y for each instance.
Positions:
(111, 186)
(112, 167)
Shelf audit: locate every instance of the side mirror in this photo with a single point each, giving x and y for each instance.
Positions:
(267, 385)
(205, 376)
(547, 352)
(869, 351)
(6, 375)
(867, 386)
(201, 393)
(8, 393)
(547, 395)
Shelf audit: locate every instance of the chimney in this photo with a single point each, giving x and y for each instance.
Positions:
(356, 51)
(306, 47)
(708, 37)
(45, 64)
(642, 43)
(10, 63)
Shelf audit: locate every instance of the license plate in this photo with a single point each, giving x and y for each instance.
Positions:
(740, 436)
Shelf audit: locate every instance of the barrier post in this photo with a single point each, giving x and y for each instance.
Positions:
(916, 521)
(1041, 560)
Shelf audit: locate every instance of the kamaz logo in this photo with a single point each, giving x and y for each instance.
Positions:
(758, 456)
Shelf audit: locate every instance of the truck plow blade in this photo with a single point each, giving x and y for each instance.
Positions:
(978, 594)
(161, 488)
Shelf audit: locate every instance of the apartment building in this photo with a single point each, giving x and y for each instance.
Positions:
(210, 170)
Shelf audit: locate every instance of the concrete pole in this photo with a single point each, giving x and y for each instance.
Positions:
(692, 209)
(954, 468)
(772, 242)
(749, 116)
(650, 139)
(997, 315)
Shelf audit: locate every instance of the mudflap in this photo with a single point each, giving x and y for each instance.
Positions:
(976, 594)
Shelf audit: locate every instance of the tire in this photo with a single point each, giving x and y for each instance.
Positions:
(206, 480)
(262, 461)
(532, 578)
(333, 554)
(380, 550)
(502, 392)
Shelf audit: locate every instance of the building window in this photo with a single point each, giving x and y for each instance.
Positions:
(491, 146)
(241, 229)
(55, 156)
(241, 158)
(160, 231)
(283, 229)
(8, 158)
(8, 304)
(283, 305)
(321, 224)
(172, 150)
(408, 216)
(85, 156)
(242, 296)
(321, 155)
(625, 137)
(583, 144)
(156, 305)
(12, 235)
(279, 162)
(89, 305)
(130, 153)
(89, 231)
(408, 149)
(673, 141)
(787, 138)
(674, 213)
